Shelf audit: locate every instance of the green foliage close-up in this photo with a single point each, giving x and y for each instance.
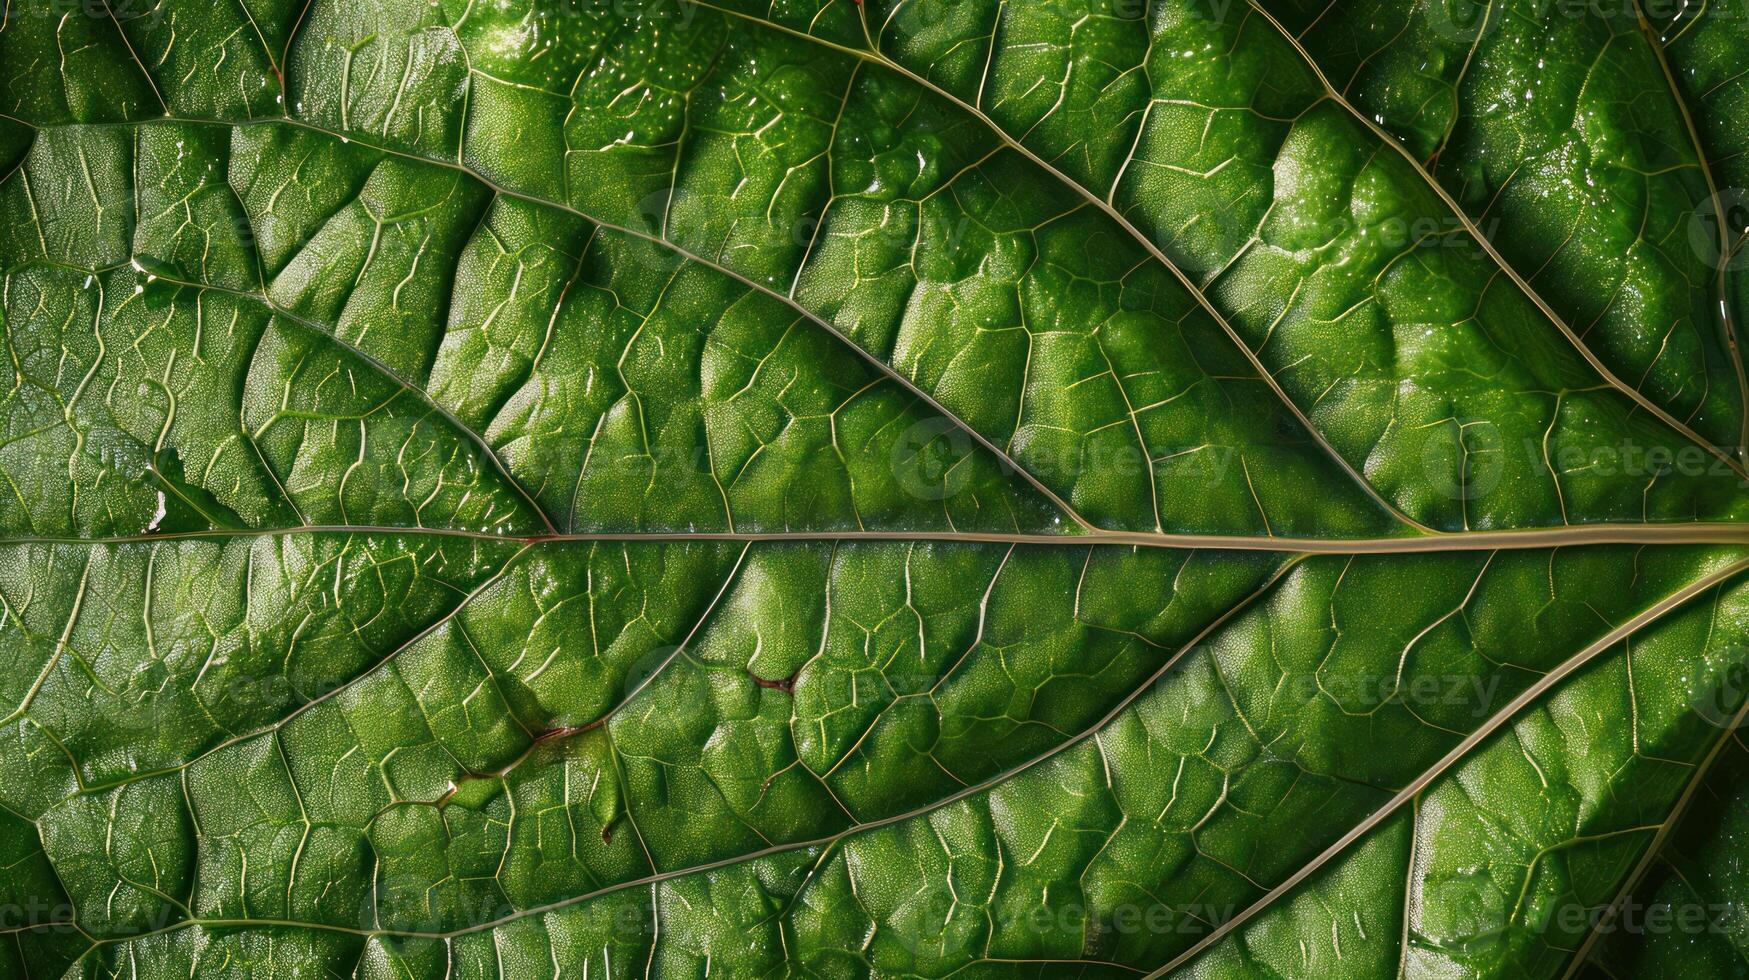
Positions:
(561, 489)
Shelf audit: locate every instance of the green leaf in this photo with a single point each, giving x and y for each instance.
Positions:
(909, 488)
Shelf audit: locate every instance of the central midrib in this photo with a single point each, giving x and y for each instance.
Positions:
(1724, 534)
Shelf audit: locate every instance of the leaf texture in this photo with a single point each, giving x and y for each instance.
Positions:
(909, 488)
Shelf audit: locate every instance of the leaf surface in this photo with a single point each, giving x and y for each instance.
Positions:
(905, 488)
